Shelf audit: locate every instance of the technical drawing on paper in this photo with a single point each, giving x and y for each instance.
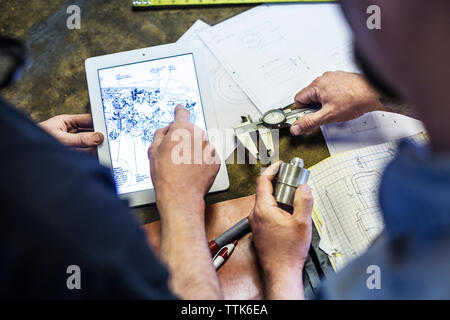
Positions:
(341, 58)
(276, 72)
(138, 99)
(373, 120)
(368, 219)
(331, 193)
(345, 190)
(359, 192)
(370, 129)
(226, 88)
(366, 123)
(230, 102)
(273, 51)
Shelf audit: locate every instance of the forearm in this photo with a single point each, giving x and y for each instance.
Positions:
(284, 284)
(185, 251)
(390, 105)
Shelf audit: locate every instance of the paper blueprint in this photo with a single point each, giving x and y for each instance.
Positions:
(345, 190)
(230, 102)
(370, 129)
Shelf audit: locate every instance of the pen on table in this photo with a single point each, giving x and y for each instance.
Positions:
(236, 232)
(224, 253)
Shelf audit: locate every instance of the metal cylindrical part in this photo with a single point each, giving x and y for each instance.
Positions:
(289, 177)
(237, 231)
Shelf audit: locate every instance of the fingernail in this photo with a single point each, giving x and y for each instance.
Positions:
(296, 130)
(98, 138)
(305, 188)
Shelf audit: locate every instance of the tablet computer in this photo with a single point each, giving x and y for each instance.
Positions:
(133, 94)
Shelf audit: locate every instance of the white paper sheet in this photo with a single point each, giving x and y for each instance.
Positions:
(273, 51)
(370, 129)
(230, 101)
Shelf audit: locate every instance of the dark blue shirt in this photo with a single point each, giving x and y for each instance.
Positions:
(59, 208)
(412, 255)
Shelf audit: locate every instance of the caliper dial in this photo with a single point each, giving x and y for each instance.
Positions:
(274, 118)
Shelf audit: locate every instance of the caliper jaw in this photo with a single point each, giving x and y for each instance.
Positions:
(243, 134)
(245, 129)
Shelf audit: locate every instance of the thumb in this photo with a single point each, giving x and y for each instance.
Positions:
(309, 122)
(303, 202)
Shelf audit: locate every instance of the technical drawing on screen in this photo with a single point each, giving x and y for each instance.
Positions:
(138, 99)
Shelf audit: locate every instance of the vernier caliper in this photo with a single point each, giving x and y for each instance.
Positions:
(272, 119)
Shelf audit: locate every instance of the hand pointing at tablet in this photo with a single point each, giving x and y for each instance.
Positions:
(181, 159)
(183, 166)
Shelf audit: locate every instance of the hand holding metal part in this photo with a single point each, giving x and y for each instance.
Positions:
(290, 175)
(272, 119)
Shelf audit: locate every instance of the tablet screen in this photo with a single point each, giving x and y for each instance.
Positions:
(138, 99)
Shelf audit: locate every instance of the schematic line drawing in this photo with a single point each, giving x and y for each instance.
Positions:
(260, 36)
(226, 88)
(359, 188)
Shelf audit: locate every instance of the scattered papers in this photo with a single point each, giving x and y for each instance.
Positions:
(370, 129)
(230, 101)
(273, 51)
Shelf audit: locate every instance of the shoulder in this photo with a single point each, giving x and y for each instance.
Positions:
(402, 268)
(61, 208)
(32, 161)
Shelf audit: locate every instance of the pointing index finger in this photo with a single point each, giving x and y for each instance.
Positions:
(182, 114)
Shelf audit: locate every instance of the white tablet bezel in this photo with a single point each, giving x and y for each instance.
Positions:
(141, 55)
